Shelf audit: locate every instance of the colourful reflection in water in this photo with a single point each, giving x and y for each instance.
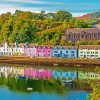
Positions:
(44, 83)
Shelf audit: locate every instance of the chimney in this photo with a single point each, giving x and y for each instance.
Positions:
(6, 45)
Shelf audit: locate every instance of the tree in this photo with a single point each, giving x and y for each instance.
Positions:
(80, 24)
(62, 15)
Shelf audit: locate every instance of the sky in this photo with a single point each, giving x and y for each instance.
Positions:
(76, 7)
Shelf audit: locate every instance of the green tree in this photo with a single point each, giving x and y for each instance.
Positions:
(62, 15)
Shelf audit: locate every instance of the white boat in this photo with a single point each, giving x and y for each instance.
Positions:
(29, 89)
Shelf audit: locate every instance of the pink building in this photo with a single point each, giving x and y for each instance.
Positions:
(30, 51)
(38, 51)
(43, 51)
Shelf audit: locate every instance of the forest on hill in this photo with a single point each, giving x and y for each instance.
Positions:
(41, 28)
(91, 17)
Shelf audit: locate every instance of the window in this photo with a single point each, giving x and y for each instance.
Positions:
(55, 51)
(72, 52)
(81, 51)
(82, 36)
(69, 36)
(43, 50)
(48, 50)
(66, 51)
(48, 54)
(60, 51)
(96, 52)
(72, 55)
(88, 52)
(56, 55)
(66, 55)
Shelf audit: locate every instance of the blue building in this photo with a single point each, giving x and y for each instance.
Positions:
(65, 52)
(64, 75)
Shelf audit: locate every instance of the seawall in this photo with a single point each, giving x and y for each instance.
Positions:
(49, 61)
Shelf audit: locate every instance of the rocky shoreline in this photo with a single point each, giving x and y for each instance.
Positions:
(49, 61)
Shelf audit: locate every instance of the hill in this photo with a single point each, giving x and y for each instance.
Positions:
(94, 15)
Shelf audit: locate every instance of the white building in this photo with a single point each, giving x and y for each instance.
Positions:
(89, 51)
(5, 50)
(11, 49)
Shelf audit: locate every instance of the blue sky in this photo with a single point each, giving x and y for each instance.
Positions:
(76, 7)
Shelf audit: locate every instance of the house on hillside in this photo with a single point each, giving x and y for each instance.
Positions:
(79, 34)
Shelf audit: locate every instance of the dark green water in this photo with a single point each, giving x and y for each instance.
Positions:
(23, 83)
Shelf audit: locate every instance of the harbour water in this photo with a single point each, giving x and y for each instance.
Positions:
(44, 83)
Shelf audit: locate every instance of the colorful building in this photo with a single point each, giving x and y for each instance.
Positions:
(43, 51)
(38, 51)
(5, 50)
(89, 51)
(18, 49)
(9, 49)
(65, 52)
(30, 50)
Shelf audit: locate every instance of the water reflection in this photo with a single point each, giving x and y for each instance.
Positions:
(37, 73)
(63, 84)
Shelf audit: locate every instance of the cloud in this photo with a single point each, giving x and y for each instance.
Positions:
(75, 6)
(78, 14)
(32, 1)
(12, 8)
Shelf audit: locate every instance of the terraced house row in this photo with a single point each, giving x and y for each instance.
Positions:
(33, 50)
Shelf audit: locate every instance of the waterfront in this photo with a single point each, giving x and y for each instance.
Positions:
(73, 95)
(41, 83)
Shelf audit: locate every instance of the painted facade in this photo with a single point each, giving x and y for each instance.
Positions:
(11, 49)
(65, 52)
(43, 51)
(30, 51)
(89, 51)
(38, 51)
(88, 75)
(5, 50)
